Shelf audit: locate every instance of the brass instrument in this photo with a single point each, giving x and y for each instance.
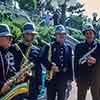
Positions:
(87, 56)
(19, 89)
(50, 73)
(24, 70)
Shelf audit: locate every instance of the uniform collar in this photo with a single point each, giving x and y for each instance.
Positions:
(92, 44)
(27, 45)
(60, 44)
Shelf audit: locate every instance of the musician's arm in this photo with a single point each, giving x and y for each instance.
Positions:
(76, 62)
(35, 81)
(96, 54)
(44, 57)
(6, 86)
(70, 64)
(1, 84)
(38, 68)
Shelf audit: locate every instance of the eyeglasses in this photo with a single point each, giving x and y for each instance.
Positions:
(9, 38)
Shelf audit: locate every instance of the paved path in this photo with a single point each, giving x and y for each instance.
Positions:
(73, 95)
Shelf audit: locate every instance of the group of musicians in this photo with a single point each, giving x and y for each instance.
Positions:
(56, 57)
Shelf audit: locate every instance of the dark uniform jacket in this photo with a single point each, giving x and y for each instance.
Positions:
(7, 65)
(62, 57)
(33, 56)
(84, 71)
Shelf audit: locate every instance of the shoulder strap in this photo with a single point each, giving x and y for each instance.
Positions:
(25, 56)
(50, 53)
(27, 53)
(18, 48)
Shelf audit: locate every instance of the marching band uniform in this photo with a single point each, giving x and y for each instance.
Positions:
(32, 53)
(7, 64)
(61, 55)
(85, 73)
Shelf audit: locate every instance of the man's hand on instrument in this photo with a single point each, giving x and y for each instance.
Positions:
(6, 87)
(55, 68)
(69, 85)
(91, 60)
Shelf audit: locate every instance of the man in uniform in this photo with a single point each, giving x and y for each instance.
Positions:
(25, 50)
(57, 58)
(86, 57)
(7, 65)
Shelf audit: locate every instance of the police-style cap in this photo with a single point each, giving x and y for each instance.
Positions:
(29, 28)
(60, 29)
(88, 27)
(5, 31)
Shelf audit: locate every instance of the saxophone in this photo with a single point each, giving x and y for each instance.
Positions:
(50, 73)
(25, 70)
